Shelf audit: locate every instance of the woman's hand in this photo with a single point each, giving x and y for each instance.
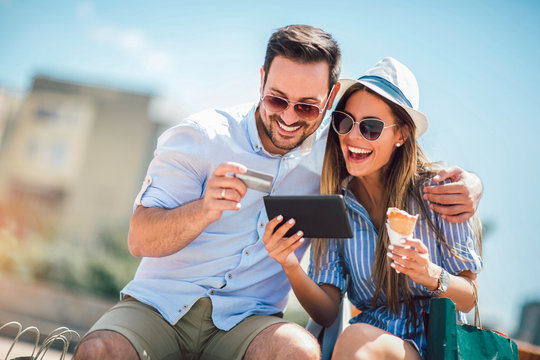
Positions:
(412, 259)
(279, 248)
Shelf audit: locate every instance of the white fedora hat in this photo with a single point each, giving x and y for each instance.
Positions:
(394, 81)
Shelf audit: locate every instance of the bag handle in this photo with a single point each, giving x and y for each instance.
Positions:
(474, 285)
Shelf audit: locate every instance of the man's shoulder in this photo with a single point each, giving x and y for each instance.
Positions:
(225, 115)
(210, 122)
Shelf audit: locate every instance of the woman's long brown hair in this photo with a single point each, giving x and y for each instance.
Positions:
(403, 176)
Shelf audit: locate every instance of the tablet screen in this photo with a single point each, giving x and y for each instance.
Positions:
(318, 216)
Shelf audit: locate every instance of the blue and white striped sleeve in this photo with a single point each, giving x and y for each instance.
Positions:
(461, 238)
(331, 267)
(465, 253)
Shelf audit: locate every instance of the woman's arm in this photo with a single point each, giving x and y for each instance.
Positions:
(461, 290)
(320, 302)
(412, 259)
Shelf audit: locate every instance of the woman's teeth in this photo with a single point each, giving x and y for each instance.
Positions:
(357, 153)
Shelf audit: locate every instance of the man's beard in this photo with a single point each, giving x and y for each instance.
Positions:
(271, 132)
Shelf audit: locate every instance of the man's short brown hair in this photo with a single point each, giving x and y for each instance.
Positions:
(304, 44)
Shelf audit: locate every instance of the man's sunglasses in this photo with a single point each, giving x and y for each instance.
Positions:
(370, 129)
(303, 110)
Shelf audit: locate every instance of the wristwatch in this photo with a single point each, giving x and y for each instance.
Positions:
(442, 284)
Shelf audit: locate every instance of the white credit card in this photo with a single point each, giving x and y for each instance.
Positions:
(257, 180)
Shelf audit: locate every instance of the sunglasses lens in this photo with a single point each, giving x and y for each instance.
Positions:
(342, 123)
(306, 111)
(274, 103)
(371, 129)
(277, 104)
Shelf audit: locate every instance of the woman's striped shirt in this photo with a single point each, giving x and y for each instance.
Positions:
(358, 256)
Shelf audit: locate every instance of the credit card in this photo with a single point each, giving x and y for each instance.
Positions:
(257, 180)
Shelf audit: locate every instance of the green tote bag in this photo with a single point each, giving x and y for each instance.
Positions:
(448, 340)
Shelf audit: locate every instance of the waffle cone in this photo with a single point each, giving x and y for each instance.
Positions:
(401, 221)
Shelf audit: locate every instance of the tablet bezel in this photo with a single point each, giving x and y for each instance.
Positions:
(318, 216)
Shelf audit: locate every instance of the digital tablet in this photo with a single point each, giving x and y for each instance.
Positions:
(318, 216)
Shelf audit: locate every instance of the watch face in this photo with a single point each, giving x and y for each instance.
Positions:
(445, 281)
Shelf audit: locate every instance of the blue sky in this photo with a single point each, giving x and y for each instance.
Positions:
(476, 64)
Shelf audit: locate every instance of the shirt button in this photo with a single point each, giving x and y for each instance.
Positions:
(212, 292)
(283, 159)
(256, 147)
(185, 306)
(261, 224)
(229, 276)
(246, 252)
(179, 310)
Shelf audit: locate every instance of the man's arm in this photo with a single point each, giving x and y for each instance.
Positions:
(456, 201)
(156, 232)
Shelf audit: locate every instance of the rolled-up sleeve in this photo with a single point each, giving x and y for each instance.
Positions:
(464, 253)
(177, 173)
(331, 267)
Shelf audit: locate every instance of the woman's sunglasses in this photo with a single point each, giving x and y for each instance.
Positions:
(370, 129)
(303, 110)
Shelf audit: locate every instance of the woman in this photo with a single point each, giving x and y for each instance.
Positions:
(373, 159)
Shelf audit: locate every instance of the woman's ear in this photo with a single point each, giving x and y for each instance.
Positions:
(403, 134)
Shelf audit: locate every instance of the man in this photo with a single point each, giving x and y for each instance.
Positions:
(206, 286)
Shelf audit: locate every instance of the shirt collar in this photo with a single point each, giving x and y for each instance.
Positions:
(253, 134)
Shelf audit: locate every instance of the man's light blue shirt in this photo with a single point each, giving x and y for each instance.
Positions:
(227, 262)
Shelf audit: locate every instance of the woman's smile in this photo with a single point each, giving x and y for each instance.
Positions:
(358, 154)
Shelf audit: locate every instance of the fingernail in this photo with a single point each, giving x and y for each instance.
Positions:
(390, 247)
(403, 241)
(389, 254)
(238, 205)
(403, 258)
(301, 240)
(396, 271)
(291, 221)
(393, 265)
(280, 217)
(300, 233)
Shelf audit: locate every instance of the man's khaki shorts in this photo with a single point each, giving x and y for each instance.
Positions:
(193, 337)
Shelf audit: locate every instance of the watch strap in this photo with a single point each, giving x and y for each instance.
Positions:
(442, 284)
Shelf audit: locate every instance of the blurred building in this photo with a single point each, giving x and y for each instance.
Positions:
(9, 105)
(529, 324)
(75, 157)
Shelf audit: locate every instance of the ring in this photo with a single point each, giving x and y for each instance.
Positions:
(223, 193)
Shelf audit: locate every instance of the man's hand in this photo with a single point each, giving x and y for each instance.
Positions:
(157, 232)
(458, 200)
(223, 192)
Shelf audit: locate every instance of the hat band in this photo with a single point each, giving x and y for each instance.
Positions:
(387, 86)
